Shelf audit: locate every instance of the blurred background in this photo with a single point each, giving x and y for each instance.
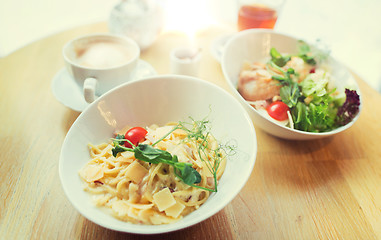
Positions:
(350, 28)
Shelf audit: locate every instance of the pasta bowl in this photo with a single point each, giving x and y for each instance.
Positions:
(159, 100)
(254, 45)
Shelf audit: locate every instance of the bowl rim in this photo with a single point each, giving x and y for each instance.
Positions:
(242, 34)
(163, 228)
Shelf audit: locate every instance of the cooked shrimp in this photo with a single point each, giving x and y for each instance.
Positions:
(298, 64)
(255, 83)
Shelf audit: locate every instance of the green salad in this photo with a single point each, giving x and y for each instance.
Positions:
(298, 90)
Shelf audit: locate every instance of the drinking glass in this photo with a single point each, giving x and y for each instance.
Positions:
(258, 13)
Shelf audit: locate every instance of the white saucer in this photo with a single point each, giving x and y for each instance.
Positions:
(218, 44)
(66, 90)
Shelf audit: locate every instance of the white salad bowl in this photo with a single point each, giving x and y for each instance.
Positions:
(159, 100)
(254, 45)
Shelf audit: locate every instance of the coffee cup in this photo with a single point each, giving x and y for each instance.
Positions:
(100, 62)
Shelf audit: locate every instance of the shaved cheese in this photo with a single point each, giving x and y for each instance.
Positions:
(180, 133)
(136, 172)
(180, 152)
(139, 206)
(100, 200)
(92, 173)
(123, 210)
(127, 154)
(160, 219)
(155, 135)
(120, 208)
(175, 210)
(163, 199)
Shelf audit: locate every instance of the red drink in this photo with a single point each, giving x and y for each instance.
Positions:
(256, 16)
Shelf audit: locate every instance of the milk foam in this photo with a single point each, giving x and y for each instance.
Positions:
(103, 54)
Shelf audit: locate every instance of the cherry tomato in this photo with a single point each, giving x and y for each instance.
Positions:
(278, 110)
(135, 135)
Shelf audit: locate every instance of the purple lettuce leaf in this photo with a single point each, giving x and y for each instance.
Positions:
(349, 109)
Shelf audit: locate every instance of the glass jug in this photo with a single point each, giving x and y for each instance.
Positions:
(141, 20)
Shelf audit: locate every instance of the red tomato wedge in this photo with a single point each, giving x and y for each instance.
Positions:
(135, 135)
(278, 110)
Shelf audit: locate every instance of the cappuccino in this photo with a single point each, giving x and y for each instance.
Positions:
(100, 62)
(103, 53)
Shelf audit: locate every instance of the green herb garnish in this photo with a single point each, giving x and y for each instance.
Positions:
(148, 153)
(305, 53)
(198, 132)
(277, 58)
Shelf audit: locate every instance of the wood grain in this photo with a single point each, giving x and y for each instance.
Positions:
(320, 189)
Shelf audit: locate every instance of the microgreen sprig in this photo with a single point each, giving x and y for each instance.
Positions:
(148, 153)
(198, 132)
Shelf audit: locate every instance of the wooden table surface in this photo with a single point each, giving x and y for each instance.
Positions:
(320, 189)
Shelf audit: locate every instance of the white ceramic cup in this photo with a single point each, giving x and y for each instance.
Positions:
(185, 61)
(100, 62)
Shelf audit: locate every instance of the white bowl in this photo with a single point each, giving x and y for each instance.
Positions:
(254, 45)
(159, 99)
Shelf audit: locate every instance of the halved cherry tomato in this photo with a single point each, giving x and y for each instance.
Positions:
(278, 110)
(135, 135)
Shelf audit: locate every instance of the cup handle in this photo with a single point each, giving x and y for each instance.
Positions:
(89, 87)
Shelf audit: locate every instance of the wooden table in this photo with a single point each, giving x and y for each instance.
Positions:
(321, 189)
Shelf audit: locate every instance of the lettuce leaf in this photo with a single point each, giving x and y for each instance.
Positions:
(290, 94)
(314, 118)
(314, 84)
(349, 109)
